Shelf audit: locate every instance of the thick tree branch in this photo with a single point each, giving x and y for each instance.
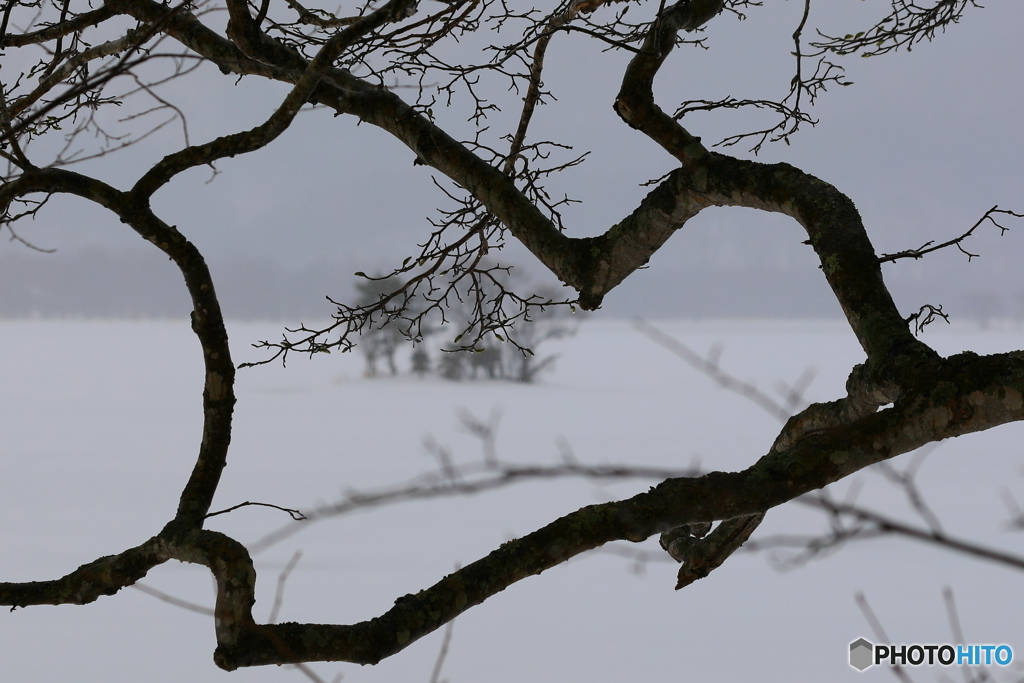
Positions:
(832, 222)
(251, 40)
(262, 135)
(105, 576)
(64, 28)
(594, 266)
(963, 394)
(701, 556)
(184, 27)
(635, 101)
(207, 321)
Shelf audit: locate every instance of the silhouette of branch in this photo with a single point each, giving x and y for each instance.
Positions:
(435, 675)
(926, 316)
(876, 626)
(709, 367)
(294, 514)
(170, 599)
(1016, 521)
(282, 579)
(929, 247)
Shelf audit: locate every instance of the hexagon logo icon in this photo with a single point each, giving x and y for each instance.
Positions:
(861, 654)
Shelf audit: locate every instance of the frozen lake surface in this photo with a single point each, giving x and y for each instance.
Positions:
(101, 423)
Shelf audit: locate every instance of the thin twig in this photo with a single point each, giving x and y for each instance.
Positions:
(177, 602)
(294, 514)
(929, 247)
(281, 580)
(435, 676)
(876, 626)
(709, 366)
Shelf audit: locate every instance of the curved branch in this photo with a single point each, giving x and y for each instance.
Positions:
(832, 222)
(635, 101)
(184, 27)
(596, 265)
(231, 566)
(962, 394)
(207, 322)
(933, 398)
(262, 135)
(701, 556)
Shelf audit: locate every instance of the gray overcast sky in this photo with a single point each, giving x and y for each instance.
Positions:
(924, 143)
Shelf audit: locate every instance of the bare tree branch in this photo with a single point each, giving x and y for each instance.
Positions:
(929, 247)
(345, 64)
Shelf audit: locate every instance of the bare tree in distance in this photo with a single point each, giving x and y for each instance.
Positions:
(379, 339)
(389, 331)
(80, 83)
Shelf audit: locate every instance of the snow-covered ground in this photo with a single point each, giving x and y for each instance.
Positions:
(101, 421)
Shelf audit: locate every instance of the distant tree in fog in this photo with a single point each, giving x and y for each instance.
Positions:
(497, 360)
(420, 361)
(379, 341)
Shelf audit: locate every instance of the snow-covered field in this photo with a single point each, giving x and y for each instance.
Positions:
(101, 422)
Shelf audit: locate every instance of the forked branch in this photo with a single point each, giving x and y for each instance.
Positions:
(929, 247)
